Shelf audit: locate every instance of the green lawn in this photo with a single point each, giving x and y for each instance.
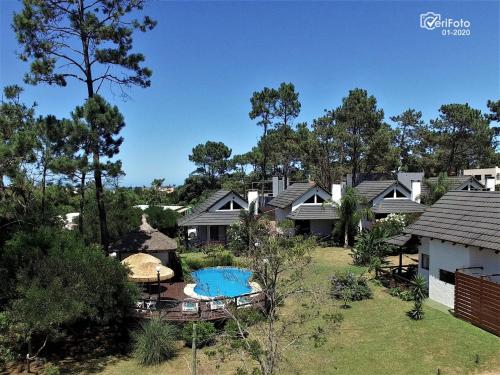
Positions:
(375, 337)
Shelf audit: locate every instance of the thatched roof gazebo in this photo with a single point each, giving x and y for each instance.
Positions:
(146, 240)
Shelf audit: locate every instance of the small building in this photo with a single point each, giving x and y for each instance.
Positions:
(489, 177)
(309, 206)
(456, 183)
(391, 197)
(212, 217)
(147, 240)
(459, 254)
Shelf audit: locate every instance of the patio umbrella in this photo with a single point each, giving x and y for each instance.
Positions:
(139, 258)
(148, 273)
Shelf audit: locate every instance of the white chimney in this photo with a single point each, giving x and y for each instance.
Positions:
(490, 183)
(336, 193)
(416, 190)
(253, 197)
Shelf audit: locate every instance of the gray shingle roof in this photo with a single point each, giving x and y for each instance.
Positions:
(210, 201)
(314, 212)
(213, 218)
(201, 216)
(372, 189)
(465, 217)
(455, 182)
(398, 206)
(399, 240)
(291, 194)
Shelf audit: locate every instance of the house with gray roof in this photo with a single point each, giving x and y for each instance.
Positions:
(460, 233)
(212, 217)
(386, 197)
(309, 206)
(456, 183)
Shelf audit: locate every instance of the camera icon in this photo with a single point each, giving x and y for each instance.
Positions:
(429, 20)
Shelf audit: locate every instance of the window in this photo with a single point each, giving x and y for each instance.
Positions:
(310, 200)
(447, 276)
(498, 176)
(424, 261)
(399, 194)
(227, 206)
(236, 206)
(390, 194)
(477, 177)
(319, 199)
(214, 233)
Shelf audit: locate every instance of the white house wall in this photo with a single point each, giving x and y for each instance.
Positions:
(228, 198)
(423, 249)
(449, 257)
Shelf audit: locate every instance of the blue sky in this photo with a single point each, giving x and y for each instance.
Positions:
(208, 58)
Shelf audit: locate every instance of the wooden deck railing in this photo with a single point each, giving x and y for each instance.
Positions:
(206, 309)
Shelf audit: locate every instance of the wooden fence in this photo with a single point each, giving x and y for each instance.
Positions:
(477, 301)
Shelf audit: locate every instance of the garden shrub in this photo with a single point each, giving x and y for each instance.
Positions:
(51, 369)
(401, 293)
(154, 342)
(205, 333)
(356, 285)
(370, 247)
(247, 317)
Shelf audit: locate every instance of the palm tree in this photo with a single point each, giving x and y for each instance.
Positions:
(351, 210)
(436, 189)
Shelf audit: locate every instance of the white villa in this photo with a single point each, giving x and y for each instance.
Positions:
(460, 233)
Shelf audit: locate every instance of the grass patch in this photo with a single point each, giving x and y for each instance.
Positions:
(376, 337)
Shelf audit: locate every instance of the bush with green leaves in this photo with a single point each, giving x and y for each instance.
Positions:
(403, 294)
(246, 318)
(57, 280)
(371, 247)
(205, 333)
(216, 256)
(51, 369)
(163, 220)
(155, 341)
(418, 295)
(393, 224)
(357, 287)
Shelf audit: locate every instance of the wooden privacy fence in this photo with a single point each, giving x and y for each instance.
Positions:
(477, 301)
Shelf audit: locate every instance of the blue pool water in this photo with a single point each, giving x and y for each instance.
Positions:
(222, 281)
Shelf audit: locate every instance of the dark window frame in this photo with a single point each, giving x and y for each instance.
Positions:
(447, 276)
(424, 261)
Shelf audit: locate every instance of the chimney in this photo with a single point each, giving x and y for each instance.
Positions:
(416, 190)
(253, 197)
(490, 183)
(276, 189)
(336, 193)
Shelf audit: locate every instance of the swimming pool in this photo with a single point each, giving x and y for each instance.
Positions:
(222, 281)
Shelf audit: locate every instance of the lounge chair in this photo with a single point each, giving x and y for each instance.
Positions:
(190, 307)
(150, 305)
(217, 304)
(243, 301)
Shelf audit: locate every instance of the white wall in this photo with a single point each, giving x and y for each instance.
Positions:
(423, 249)
(449, 257)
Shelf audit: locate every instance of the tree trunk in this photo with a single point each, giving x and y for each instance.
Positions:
(346, 237)
(82, 201)
(44, 177)
(99, 190)
(99, 193)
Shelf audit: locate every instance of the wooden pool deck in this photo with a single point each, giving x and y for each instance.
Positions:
(175, 305)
